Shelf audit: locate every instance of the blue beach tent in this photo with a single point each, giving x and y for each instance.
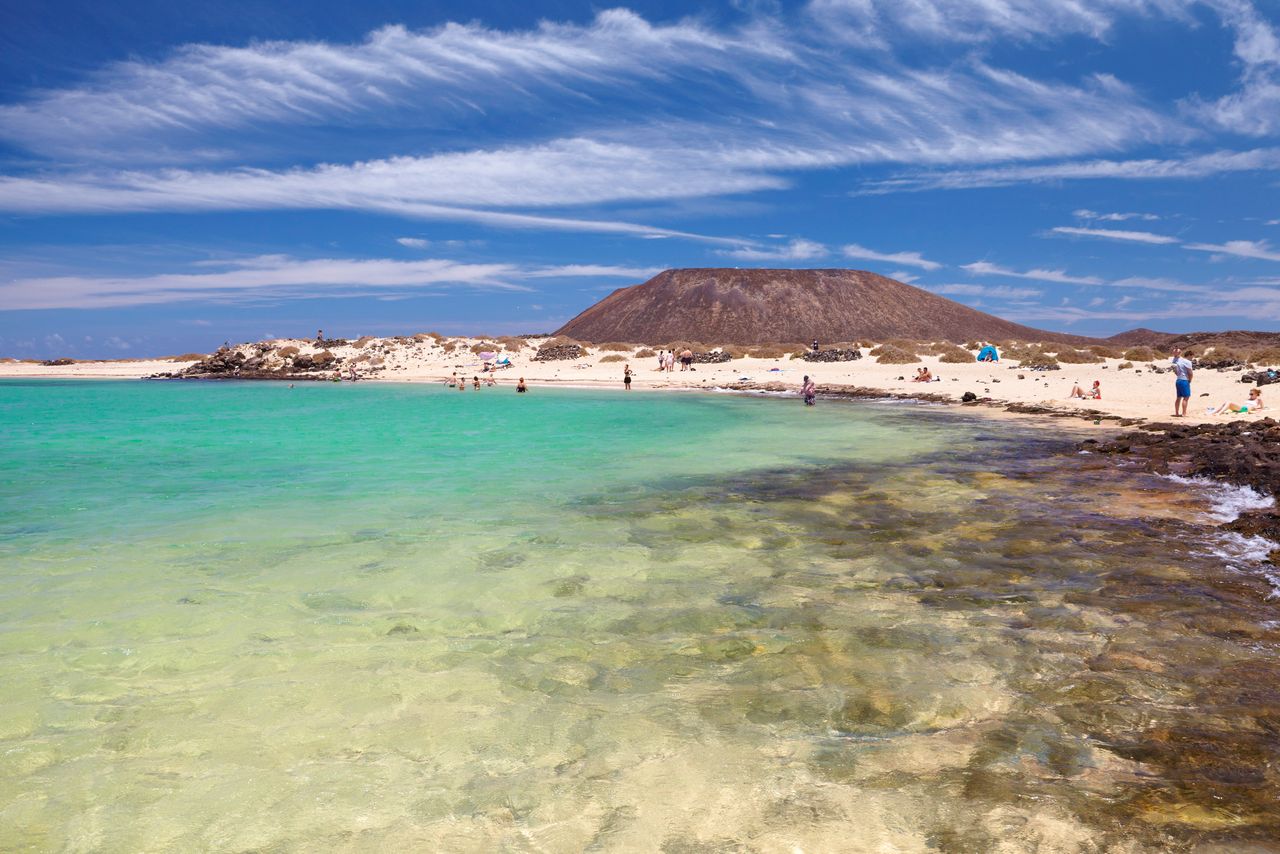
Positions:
(988, 354)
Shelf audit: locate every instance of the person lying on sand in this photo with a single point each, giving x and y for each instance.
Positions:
(1095, 393)
(1076, 391)
(1254, 404)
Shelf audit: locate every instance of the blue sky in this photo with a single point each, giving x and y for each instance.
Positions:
(173, 175)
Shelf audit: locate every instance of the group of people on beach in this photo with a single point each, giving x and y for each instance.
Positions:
(667, 360)
(1183, 371)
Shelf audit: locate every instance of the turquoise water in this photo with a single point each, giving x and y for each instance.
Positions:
(245, 617)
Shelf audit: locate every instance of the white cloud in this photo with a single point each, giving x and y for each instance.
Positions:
(1199, 166)
(798, 249)
(1115, 234)
(996, 291)
(274, 275)
(445, 69)
(983, 268)
(904, 276)
(413, 242)
(588, 270)
(1258, 249)
(984, 20)
(910, 259)
(1085, 213)
(282, 276)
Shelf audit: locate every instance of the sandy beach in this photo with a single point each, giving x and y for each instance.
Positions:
(1136, 392)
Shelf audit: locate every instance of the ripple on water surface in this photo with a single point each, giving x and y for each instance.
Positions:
(240, 618)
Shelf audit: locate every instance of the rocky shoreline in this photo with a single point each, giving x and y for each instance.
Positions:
(1239, 453)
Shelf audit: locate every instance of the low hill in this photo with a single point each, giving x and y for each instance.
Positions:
(733, 306)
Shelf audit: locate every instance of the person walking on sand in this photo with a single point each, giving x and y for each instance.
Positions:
(662, 360)
(1183, 370)
(810, 391)
(626, 377)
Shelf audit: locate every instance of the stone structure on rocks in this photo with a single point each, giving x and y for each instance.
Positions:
(832, 355)
(558, 352)
(715, 357)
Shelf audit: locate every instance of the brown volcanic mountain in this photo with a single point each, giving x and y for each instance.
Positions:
(732, 306)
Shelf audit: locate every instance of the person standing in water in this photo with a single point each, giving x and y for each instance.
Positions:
(521, 387)
(626, 377)
(810, 391)
(1183, 370)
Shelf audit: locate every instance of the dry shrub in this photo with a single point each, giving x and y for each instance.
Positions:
(891, 346)
(768, 351)
(616, 347)
(735, 352)
(891, 355)
(363, 357)
(613, 357)
(1140, 354)
(449, 346)
(287, 352)
(1043, 360)
(363, 341)
(484, 347)
(187, 357)
(1072, 356)
(561, 341)
(953, 355)
(974, 345)
(646, 353)
(1017, 351)
(1124, 366)
(1265, 356)
(512, 344)
(1105, 352)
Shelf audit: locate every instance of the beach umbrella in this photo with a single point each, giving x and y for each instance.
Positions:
(486, 356)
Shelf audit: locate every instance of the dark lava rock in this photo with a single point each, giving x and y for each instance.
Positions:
(1242, 453)
(558, 353)
(711, 358)
(968, 397)
(326, 343)
(54, 363)
(221, 363)
(1260, 377)
(832, 355)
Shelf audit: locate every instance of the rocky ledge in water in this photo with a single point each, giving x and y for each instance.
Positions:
(1242, 453)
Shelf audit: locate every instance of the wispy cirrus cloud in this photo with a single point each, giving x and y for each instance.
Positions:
(1258, 249)
(798, 249)
(444, 69)
(1115, 234)
(984, 268)
(993, 291)
(281, 276)
(1085, 213)
(909, 259)
(1197, 166)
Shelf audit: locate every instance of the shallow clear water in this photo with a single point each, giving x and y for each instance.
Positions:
(246, 617)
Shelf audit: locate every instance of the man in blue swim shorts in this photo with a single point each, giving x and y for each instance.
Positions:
(1182, 369)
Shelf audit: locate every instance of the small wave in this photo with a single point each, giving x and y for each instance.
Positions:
(1226, 501)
